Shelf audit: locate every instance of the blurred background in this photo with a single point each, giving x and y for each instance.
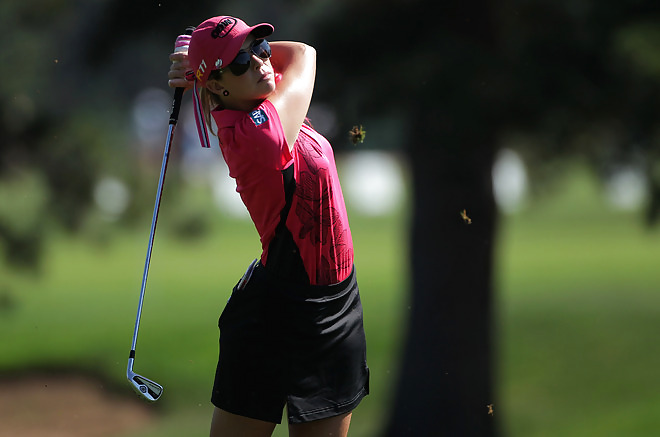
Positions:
(503, 207)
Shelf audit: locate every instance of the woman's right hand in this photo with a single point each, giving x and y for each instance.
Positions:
(178, 69)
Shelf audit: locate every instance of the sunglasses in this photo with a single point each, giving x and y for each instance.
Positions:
(241, 63)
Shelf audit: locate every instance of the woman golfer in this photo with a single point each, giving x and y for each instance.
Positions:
(291, 333)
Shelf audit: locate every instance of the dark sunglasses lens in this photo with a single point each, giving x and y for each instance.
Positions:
(240, 64)
(261, 48)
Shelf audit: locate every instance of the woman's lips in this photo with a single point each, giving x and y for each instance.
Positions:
(265, 76)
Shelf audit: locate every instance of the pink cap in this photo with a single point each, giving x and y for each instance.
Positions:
(216, 42)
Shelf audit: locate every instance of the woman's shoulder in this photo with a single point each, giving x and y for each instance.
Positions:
(265, 112)
(256, 135)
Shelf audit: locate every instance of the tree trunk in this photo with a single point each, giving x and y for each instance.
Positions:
(446, 380)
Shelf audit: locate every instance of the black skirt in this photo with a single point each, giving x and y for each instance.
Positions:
(285, 343)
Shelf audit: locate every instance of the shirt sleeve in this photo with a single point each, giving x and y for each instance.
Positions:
(256, 136)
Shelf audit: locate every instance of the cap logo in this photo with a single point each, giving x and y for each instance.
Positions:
(200, 70)
(223, 27)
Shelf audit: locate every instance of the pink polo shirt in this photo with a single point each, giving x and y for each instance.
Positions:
(255, 149)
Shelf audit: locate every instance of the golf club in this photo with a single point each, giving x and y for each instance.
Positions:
(148, 389)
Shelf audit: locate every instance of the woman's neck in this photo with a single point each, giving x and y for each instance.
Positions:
(245, 105)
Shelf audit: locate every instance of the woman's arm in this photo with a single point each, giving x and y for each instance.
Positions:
(297, 64)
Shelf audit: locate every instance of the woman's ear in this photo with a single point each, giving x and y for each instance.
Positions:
(215, 87)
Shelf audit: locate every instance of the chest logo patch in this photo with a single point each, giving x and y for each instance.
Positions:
(258, 117)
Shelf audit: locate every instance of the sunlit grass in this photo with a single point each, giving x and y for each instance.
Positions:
(79, 311)
(578, 311)
(577, 314)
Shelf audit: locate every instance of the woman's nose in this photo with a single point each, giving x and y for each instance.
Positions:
(258, 60)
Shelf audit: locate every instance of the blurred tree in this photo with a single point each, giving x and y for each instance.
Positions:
(587, 83)
(45, 168)
(63, 117)
(435, 65)
(467, 77)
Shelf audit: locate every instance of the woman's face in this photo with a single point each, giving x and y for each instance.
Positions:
(251, 87)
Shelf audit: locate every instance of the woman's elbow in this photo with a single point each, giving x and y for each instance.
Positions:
(307, 50)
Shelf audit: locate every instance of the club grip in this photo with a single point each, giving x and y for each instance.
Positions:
(176, 105)
(178, 92)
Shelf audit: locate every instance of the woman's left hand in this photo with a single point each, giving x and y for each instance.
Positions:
(178, 69)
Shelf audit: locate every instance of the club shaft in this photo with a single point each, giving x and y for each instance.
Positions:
(152, 232)
(174, 116)
(146, 388)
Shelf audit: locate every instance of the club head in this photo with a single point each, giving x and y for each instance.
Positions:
(145, 387)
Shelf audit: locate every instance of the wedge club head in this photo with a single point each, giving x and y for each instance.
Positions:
(146, 388)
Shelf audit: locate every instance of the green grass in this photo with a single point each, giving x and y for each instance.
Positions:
(577, 306)
(79, 311)
(578, 316)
